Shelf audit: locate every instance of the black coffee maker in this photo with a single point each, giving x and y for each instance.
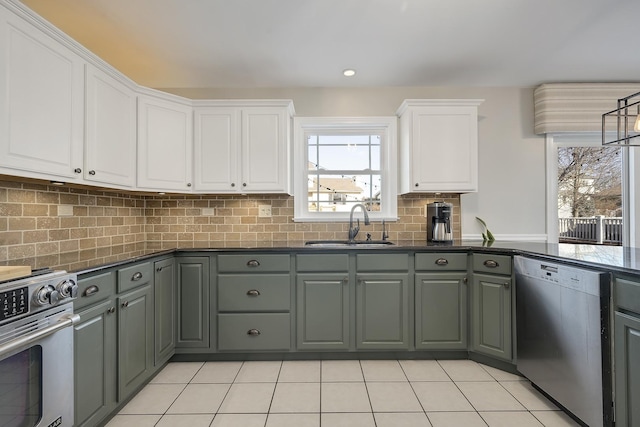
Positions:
(439, 222)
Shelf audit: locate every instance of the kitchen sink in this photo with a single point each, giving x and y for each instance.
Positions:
(347, 244)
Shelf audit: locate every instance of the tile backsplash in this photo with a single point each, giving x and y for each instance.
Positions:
(34, 221)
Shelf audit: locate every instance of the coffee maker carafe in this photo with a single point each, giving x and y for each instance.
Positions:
(439, 222)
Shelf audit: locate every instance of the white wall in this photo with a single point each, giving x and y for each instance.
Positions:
(511, 196)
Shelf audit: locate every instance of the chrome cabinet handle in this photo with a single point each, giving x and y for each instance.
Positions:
(253, 332)
(92, 172)
(159, 269)
(253, 292)
(253, 263)
(111, 310)
(137, 276)
(442, 261)
(90, 291)
(125, 304)
(491, 263)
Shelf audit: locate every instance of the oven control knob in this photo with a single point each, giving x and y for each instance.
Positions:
(68, 289)
(47, 295)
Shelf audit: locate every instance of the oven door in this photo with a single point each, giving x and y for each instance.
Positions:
(36, 370)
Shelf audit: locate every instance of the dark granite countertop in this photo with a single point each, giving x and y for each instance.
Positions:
(614, 258)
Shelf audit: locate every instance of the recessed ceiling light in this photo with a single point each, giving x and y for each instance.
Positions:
(349, 72)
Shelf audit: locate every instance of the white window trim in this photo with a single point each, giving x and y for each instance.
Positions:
(388, 166)
(590, 139)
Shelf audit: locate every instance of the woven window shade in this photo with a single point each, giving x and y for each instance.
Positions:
(576, 107)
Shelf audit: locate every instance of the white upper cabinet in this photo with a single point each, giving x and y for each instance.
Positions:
(165, 140)
(110, 140)
(439, 145)
(41, 103)
(243, 146)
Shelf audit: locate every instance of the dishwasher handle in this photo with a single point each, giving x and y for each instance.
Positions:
(24, 341)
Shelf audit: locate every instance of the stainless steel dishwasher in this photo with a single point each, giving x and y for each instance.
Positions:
(563, 329)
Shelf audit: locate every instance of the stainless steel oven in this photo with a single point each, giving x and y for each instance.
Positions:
(36, 350)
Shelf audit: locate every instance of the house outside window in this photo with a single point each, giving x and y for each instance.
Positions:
(344, 162)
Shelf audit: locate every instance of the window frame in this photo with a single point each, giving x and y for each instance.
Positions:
(387, 127)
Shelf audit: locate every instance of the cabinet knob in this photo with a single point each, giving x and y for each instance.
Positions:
(345, 281)
(137, 276)
(253, 263)
(77, 170)
(253, 332)
(506, 285)
(244, 184)
(188, 184)
(233, 184)
(491, 263)
(111, 310)
(253, 293)
(417, 185)
(159, 269)
(125, 304)
(465, 280)
(442, 261)
(92, 172)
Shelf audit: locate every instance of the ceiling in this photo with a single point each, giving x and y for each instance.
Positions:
(308, 43)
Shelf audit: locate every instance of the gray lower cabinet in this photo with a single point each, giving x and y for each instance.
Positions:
(627, 351)
(164, 310)
(135, 339)
(382, 311)
(192, 303)
(322, 310)
(441, 311)
(491, 315)
(95, 355)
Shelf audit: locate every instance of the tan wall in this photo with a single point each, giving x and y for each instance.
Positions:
(107, 224)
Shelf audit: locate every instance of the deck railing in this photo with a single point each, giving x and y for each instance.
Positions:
(597, 229)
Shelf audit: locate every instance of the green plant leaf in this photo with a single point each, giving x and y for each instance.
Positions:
(490, 236)
(484, 237)
(482, 222)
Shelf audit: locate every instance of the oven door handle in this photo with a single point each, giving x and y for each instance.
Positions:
(25, 341)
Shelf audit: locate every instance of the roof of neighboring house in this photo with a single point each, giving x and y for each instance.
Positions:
(336, 185)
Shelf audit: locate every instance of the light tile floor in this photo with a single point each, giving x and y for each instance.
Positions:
(349, 393)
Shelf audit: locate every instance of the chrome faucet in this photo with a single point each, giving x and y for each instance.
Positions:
(353, 231)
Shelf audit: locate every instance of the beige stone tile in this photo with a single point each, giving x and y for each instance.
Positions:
(501, 375)
(259, 372)
(296, 398)
(382, 370)
(424, 370)
(186, 420)
(344, 397)
(293, 420)
(341, 371)
(153, 399)
(217, 372)
(510, 419)
(528, 396)
(300, 371)
(456, 419)
(406, 419)
(253, 398)
(237, 420)
(347, 420)
(489, 396)
(441, 396)
(465, 370)
(554, 419)
(133, 421)
(392, 397)
(199, 399)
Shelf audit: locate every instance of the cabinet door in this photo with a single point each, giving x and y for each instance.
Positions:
(627, 355)
(165, 310)
(439, 148)
(216, 148)
(164, 144)
(491, 307)
(382, 311)
(322, 311)
(441, 311)
(110, 144)
(95, 364)
(265, 150)
(193, 302)
(135, 339)
(42, 103)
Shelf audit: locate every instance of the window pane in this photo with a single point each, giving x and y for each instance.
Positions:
(340, 193)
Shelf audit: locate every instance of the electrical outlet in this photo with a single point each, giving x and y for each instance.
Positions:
(208, 211)
(65, 210)
(264, 211)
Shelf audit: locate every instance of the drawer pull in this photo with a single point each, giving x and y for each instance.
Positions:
(125, 304)
(137, 276)
(253, 332)
(90, 291)
(253, 293)
(491, 263)
(442, 261)
(253, 263)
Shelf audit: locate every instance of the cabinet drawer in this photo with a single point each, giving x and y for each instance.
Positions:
(252, 263)
(496, 264)
(441, 261)
(95, 289)
(134, 276)
(382, 262)
(627, 294)
(250, 292)
(267, 331)
(322, 262)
